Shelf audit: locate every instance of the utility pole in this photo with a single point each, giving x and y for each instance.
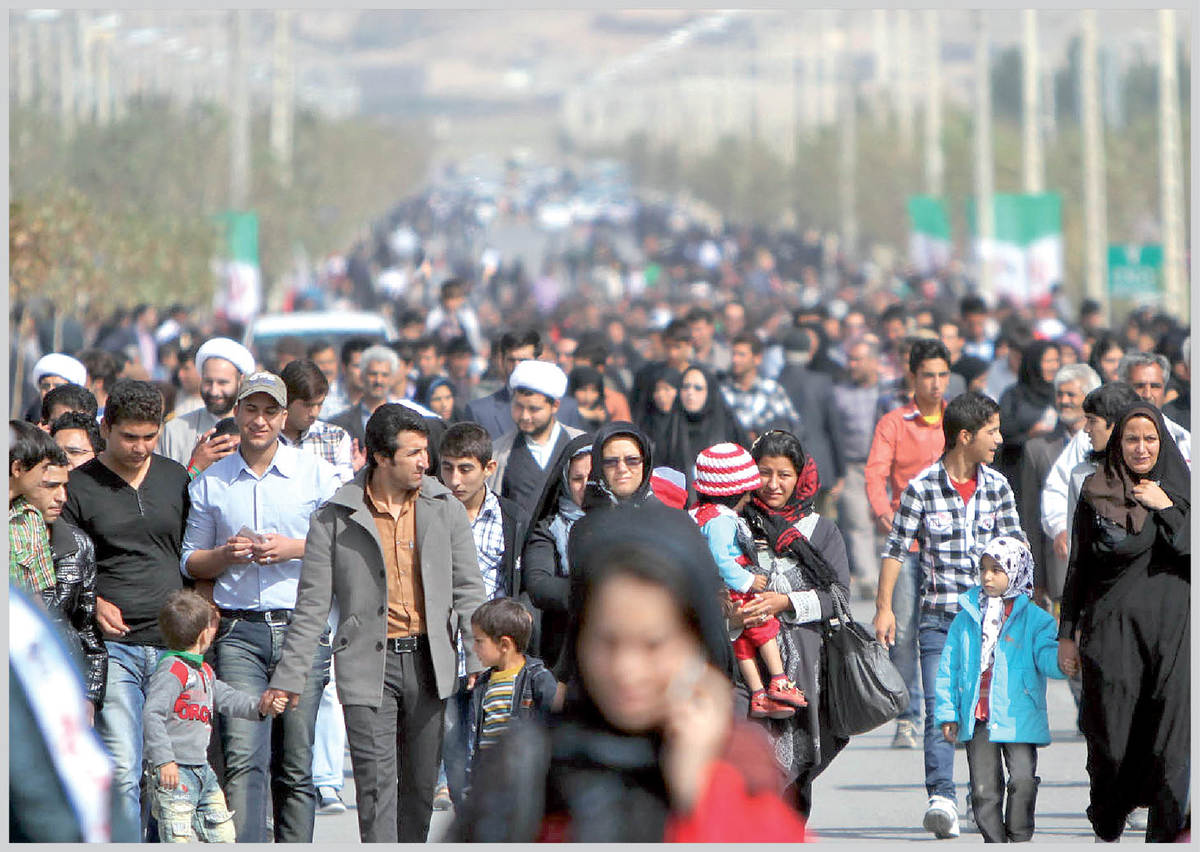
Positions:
(45, 65)
(848, 159)
(1095, 201)
(1171, 170)
(103, 79)
(984, 176)
(283, 90)
(239, 97)
(24, 38)
(1033, 170)
(935, 161)
(883, 69)
(904, 93)
(66, 75)
(87, 83)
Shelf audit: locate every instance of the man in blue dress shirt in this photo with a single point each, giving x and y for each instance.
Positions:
(246, 532)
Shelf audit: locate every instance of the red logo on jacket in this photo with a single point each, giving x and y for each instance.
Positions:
(192, 712)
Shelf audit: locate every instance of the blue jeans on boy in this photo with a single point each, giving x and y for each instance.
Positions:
(194, 810)
(939, 754)
(278, 750)
(906, 605)
(119, 722)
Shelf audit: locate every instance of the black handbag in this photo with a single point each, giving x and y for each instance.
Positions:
(862, 688)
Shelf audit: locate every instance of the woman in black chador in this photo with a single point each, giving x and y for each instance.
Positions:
(1126, 602)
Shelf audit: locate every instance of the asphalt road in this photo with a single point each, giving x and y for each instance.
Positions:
(873, 793)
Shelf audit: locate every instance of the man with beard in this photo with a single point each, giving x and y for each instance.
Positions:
(189, 439)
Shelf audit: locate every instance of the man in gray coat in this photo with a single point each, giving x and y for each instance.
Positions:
(394, 548)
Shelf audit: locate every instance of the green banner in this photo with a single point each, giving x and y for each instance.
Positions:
(1135, 272)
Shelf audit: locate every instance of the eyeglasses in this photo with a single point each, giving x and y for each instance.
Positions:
(631, 462)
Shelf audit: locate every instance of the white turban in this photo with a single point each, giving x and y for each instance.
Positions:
(540, 376)
(58, 364)
(232, 351)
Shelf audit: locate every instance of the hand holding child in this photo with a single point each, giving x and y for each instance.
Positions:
(168, 775)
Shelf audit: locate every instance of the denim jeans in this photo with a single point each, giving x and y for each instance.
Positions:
(329, 744)
(119, 722)
(194, 810)
(277, 749)
(939, 754)
(906, 605)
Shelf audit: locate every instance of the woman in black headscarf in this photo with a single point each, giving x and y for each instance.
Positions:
(660, 402)
(804, 557)
(544, 566)
(700, 419)
(1027, 408)
(621, 466)
(437, 394)
(1125, 627)
(646, 748)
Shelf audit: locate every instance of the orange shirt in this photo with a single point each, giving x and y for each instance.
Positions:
(903, 446)
(406, 594)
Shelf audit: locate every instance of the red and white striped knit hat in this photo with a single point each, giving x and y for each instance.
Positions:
(725, 470)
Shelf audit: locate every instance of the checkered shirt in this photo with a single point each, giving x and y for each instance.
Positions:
(761, 407)
(951, 535)
(488, 530)
(30, 560)
(328, 442)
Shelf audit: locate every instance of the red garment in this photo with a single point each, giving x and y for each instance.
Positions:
(740, 802)
(966, 490)
(982, 708)
(903, 446)
(752, 638)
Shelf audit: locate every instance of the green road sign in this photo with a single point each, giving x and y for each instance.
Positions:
(1135, 272)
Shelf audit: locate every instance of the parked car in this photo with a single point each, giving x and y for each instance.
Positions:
(335, 326)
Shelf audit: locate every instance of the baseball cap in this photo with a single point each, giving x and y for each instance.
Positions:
(264, 382)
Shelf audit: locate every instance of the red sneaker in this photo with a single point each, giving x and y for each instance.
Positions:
(785, 692)
(763, 707)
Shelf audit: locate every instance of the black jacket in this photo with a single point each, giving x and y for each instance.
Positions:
(533, 695)
(71, 603)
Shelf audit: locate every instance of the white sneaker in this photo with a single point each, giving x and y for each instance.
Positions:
(1138, 819)
(941, 817)
(329, 801)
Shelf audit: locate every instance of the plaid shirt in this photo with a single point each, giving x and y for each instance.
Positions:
(328, 442)
(761, 407)
(951, 535)
(30, 560)
(488, 530)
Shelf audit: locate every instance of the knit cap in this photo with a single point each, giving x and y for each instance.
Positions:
(725, 470)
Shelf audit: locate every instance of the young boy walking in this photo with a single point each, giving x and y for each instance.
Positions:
(726, 475)
(991, 689)
(953, 509)
(181, 698)
(514, 685)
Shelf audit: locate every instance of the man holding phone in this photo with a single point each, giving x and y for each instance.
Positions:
(192, 439)
(246, 533)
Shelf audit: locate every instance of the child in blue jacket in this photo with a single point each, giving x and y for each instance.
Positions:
(991, 688)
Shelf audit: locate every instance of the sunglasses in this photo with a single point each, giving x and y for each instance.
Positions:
(631, 462)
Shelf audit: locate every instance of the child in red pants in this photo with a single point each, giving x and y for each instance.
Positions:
(725, 477)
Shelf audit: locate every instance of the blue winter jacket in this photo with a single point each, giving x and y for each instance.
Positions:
(1026, 654)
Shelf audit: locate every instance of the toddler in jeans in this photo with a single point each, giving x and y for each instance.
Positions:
(181, 698)
(725, 477)
(991, 688)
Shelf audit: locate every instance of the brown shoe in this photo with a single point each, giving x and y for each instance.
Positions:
(763, 707)
(785, 692)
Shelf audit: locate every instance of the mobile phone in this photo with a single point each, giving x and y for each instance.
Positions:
(228, 426)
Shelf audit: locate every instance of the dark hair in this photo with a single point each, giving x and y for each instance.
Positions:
(1110, 400)
(304, 380)
(352, 347)
(404, 350)
(893, 312)
(926, 349)
(411, 317)
(779, 443)
(751, 340)
(426, 343)
(186, 355)
(388, 420)
(677, 331)
(971, 411)
(289, 345)
(135, 402)
(592, 351)
(101, 364)
(75, 397)
(458, 346)
(504, 617)
(511, 340)
(972, 305)
(699, 314)
(79, 420)
(452, 288)
(318, 345)
(183, 618)
(29, 446)
(1104, 344)
(467, 441)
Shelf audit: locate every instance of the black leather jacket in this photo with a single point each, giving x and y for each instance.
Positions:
(72, 603)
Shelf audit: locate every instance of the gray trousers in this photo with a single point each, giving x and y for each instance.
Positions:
(395, 749)
(996, 823)
(857, 526)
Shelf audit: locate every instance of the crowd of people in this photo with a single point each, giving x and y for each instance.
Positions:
(565, 558)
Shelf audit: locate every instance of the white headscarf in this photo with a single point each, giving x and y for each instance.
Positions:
(1015, 560)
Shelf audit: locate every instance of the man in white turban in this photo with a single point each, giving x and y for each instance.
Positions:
(58, 369)
(189, 438)
(525, 454)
